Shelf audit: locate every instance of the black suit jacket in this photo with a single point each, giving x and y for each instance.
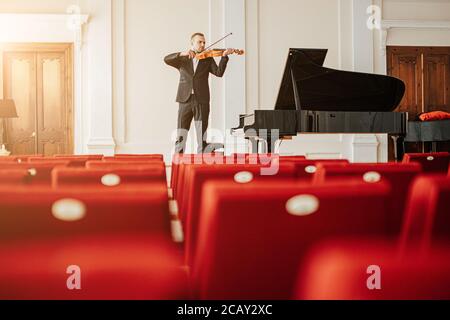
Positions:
(199, 80)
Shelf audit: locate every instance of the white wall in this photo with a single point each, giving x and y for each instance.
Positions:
(277, 26)
(154, 29)
(41, 6)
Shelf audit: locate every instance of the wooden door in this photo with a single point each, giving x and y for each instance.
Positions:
(52, 133)
(39, 79)
(19, 80)
(426, 73)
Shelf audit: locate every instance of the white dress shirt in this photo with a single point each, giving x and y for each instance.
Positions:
(195, 62)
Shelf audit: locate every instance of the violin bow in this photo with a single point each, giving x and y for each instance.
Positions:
(223, 38)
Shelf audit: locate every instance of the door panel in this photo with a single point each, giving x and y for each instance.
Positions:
(407, 66)
(20, 84)
(51, 106)
(436, 76)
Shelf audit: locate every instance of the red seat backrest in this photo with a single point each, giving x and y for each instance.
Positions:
(110, 267)
(45, 212)
(342, 270)
(400, 176)
(190, 210)
(431, 162)
(427, 215)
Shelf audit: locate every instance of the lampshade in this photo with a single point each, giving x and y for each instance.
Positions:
(8, 109)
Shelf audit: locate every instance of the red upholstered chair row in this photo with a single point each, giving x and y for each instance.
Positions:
(106, 177)
(252, 239)
(89, 156)
(268, 166)
(137, 267)
(17, 159)
(34, 173)
(136, 165)
(180, 160)
(399, 176)
(306, 169)
(339, 270)
(46, 213)
(70, 162)
(427, 215)
(431, 162)
(14, 176)
(136, 157)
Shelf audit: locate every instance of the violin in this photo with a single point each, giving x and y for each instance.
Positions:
(216, 53)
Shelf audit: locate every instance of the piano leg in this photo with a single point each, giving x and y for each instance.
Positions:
(271, 145)
(399, 147)
(434, 146)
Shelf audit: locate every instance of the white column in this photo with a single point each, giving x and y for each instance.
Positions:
(362, 37)
(235, 80)
(235, 77)
(119, 73)
(100, 79)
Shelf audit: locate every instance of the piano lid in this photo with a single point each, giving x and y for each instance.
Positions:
(325, 89)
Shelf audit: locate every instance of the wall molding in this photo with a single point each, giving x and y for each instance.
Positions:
(363, 53)
(387, 25)
(100, 38)
(119, 71)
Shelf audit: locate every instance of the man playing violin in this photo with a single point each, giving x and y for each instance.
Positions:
(193, 90)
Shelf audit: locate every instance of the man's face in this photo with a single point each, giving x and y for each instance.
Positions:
(198, 44)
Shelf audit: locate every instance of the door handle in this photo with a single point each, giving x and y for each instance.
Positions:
(33, 135)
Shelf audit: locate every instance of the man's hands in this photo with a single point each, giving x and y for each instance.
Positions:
(228, 52)
(190, 54)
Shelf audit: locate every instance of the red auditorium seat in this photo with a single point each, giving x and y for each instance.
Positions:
(431, 162)
(340, 270)
(264, 158)
(177, 158)
(400, 176)
(104, 177)
(39, 172)
(252, 238)
(14, 176)
(181, 161)
(427, 217)
(306, 169)
(131, 267)
(95, 164)
(183, 158)
(47, 213)
(79, 162)
(198, 175)
(7, 159)
(18, 158)
(136, 157)
(186, 160)
(89, 156)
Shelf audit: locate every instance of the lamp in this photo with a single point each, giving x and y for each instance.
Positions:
(7, 110)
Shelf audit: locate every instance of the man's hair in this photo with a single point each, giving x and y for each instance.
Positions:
(197, 34)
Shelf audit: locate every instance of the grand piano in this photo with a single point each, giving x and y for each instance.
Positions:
(315, 99)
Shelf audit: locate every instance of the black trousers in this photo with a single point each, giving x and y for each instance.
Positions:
(187, 111)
